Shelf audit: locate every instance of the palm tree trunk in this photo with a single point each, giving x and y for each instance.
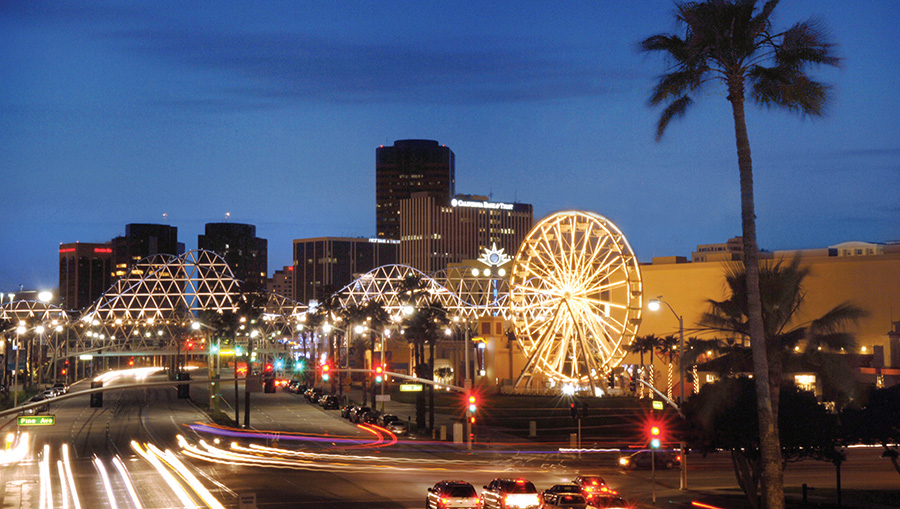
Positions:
(770, 447)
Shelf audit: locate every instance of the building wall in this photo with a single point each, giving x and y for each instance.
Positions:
(85, 273)
(330, 263)
(407, 167)
(142, 240)
(434, 234)
(871, 282)
(282, 282)
(245, 253)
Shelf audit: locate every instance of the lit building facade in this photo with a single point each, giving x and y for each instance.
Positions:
(407, 167)
(85, 273)
(142, 240)
(245, 253)
(435, 234)
(324, 265)
(282, 282)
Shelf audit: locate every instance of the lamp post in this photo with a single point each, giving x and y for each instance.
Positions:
(654, 305)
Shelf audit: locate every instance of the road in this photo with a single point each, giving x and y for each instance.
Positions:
(322, 460)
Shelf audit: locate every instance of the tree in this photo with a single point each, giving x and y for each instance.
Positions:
(668, 351)
(723, 417)
(425, 325)
(878, 422)
(782, 295)
(728, 41)
(641, 345)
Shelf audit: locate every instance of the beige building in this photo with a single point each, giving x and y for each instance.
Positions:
(435, 234)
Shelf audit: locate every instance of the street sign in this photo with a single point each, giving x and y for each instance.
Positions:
(36, 420)
(411, 387)
(382, 397)
(658, 405)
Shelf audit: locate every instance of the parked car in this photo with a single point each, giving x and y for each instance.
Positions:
(329, 402)
(397, 427)
(646, 459)
(49, 393)
(61, 388)
(452, 494)
(563, 496)
(345, 411)
(385, 419)
(37, 409)
(510, 493)
(356, 415)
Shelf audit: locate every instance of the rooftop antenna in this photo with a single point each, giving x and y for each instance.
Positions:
(227, 215)
(165, 216)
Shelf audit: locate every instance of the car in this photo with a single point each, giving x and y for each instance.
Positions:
(397, 427)
(510, 493)
(345, 411)
(452, 494)
(330, 402)
(592, 486)
(61, 388)
(49, 393)
(609, 502)
(646, 460)
(370, 417)
(385, 419)
(37, 409)
(356, 415)
(566, 496)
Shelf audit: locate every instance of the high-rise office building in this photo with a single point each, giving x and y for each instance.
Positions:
(434, 234)
(407, 167)
(245, 253)
(142, 240)
(85, 272)
(282, 282)
(324, 265)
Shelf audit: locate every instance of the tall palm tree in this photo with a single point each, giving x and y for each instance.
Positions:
(641, 345)
(668, 351)
(730, 42)
(782, 293)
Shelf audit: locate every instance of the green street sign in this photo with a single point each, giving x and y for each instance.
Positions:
(36, 420)
(658, 405)
(411, 387)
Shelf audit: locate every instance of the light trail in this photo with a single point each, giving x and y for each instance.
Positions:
(14, 453)
(273, 457)
(69, 477)
(63, 485)
(104, 476)
(173, 483)
(191, 480)
(46, 492)
(123, 472)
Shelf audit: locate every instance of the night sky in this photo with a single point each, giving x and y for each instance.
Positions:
(115, 112)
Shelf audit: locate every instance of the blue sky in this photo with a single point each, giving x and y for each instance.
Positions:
(114, 112)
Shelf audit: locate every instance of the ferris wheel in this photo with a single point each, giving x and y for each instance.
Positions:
(575, 297)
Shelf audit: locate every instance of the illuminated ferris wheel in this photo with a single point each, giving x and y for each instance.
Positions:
(575, 295)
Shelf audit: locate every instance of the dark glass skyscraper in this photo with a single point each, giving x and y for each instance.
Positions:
(142, 240)
(410, 166)
(246, 254)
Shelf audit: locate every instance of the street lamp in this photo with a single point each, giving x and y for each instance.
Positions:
(654, 305)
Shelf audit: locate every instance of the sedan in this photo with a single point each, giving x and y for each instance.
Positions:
(566, 496)
(647, 459)
(452, 494)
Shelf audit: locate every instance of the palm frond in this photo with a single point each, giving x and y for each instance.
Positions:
(676, 108)
(837, 319)
(784, 87)
(676, 84)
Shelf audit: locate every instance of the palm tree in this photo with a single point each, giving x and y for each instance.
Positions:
(730, 42)
(641, 345)
(668, 350)
(782, 293)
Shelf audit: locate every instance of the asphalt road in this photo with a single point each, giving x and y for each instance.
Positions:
(314, 458)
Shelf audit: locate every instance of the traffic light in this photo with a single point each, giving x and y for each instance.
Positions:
(610, 380)
(379, 374)
(326, 372)
(189, 345)
(655, 433)
(473, 404)
(573, 410)
(279, 364)
(299, 365)
(131, 362)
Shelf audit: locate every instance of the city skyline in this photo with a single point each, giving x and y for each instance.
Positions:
(116, 113)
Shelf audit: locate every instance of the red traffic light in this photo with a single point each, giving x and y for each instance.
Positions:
(473, 403)
(655, 435)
